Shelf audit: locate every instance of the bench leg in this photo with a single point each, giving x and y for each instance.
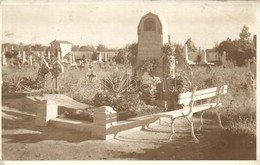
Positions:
(192, 129)
(219, 119)
(201, 120)
(172, 129)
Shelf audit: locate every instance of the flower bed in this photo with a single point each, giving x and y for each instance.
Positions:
(84, 115)
(88, 114)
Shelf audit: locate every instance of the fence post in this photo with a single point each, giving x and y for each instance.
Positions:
(104, 118)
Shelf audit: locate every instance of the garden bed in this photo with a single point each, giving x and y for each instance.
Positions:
(88, 114)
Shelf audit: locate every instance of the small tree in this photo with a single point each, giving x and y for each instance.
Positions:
(168, 50)
(101, 47)
(75, 48)
(132, 53)
(239, 50)
(87, 48)
(121, 57)
(244, 34)
(178, 53)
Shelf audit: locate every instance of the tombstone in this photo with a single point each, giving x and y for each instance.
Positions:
(70, 58)
(187, 56)
(73, 59)
(4, 57)
(23, 57)
(59, 55)
(152, 35)
(252, 66)
(100, 57)
(250, 81)
(80, 64)
(42, 59)
(38, 54)
(186, 52)
(106, 57)
(30, 60)
(19, 64)
(61, 66)
(19, 55)
(204, 57)
(44, 62)
(49, 55)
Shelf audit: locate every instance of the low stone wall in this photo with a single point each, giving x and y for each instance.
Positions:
(104, 127)
(71, 124)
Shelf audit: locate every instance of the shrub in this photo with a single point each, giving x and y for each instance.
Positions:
(243, 126)
(183, 83)
(116, 83)
(102, 99)
(127, 105)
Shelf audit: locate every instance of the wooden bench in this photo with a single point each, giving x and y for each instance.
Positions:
(187, 111)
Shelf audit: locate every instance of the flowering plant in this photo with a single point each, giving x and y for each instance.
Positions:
(168, 50)
(149, 65)
(183, 83)
(150, 86)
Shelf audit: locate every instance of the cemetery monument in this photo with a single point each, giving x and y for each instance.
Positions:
(152, 63)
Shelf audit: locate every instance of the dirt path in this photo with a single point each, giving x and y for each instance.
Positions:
(22, 140)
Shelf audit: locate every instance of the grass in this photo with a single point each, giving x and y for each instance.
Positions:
(73, 82)
(239, 105)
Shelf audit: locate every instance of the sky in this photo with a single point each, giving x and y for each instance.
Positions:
(114, 23)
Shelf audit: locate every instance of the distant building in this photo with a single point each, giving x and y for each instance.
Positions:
(100, 55)
(193, 56)
(60, 48)
(106, 55)
(82, 55)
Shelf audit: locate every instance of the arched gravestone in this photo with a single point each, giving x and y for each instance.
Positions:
(152, 35)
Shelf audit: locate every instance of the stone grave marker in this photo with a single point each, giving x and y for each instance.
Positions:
(252, 66)
(4, 57)
(154, 44)
(152, 35)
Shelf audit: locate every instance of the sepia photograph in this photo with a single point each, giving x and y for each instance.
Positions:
(128, 80)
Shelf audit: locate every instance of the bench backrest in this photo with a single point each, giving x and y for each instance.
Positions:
(186, 98)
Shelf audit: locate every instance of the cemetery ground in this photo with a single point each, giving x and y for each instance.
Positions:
(22, 140)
